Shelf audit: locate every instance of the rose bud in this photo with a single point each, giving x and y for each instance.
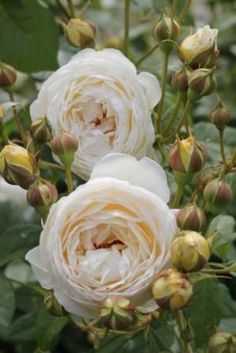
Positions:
(217, 194)
(80, 33)
(41, 195)
(17, 166)
(117, 313)
(203, 179)
(190, 251)
(222, 342)
(7, 75)
(172, 290)
(52, 305)
(191, 218)
(186, 157)
(220, 116)
(201, 83)
(94, 338)
(200, 48)
(166, 28)
(64, 145)
(41, 131)
(180, 79)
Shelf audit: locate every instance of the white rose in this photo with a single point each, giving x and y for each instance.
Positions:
(99, 97)
(111, 236)
(199, 46)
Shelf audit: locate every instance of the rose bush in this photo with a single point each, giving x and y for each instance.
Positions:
(99, 97)
(111, 236)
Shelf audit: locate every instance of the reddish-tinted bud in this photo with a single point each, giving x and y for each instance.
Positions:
(42, 194)
(166, 28)
(191, 217)
(80, 33)
(64, 145)
(7, 75)
(220, 116)
(180, 79)
(217, 194)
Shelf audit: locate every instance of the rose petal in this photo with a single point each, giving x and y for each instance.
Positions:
(145, 173)
(152, 88)
(34, 258)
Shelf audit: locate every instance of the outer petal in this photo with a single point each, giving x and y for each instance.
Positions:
(42, 274)
(152, 88)
(145, 173)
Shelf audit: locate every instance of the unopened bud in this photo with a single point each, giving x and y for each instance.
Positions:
(52, 305)
(166, 28)
(93, 337)
(117, 313)
(17, 166)
(42, 194)
(41, 131)
(190, 251)
(222, 342)
(7, 75)
(201, 83)
(191, 218)
(220, 116)
(217, 194)
(186, 157)
(64, 145)
(180, 79)
(172, 290)
(113, 42)
(80, 33)
(202, 180)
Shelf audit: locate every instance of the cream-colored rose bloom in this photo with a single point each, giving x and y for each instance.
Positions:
(99, 97)
(203, 40)
(111, 236)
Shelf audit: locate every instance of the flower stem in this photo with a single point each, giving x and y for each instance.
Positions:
(172, 8)
(126, 25)
(49, 165)
(63, 9)
(183, 326)
(177, 197)
(17, 118)
(147, 54)
(185, 115)
(184, 11)
(71, 8)
(222, 147)
(69, 181)
(163, 89)
(173, 115)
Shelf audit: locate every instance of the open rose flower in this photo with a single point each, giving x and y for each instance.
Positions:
(110, 237)
(200, 48)
(99, 98)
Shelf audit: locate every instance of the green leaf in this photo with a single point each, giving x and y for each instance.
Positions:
(23, 328)
(28, 36)
(204, 310)
(17, 240)
(48, 329)
(7, 301)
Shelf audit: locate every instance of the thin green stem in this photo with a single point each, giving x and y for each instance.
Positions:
(177, 197)
(84, 8)
(49, 165)
(183, 326)
(63, 9)
(222, 147)
(173, 115)
(186, 113)
(35, 289)
(69, 180)
(17, 118)
(147, 54)
(172, 8)
(126, 26)
(163, 88)
(184, 11)
(71, 8)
